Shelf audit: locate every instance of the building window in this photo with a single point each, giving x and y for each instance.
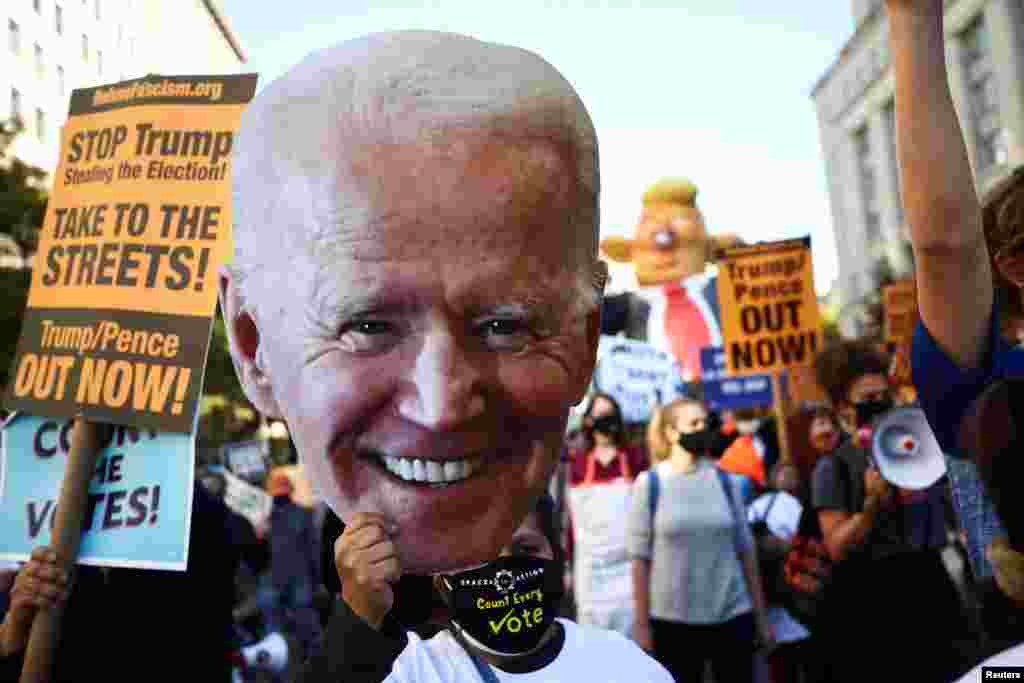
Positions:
(983, 96)
(40, 68)
(98, 14)
(120, 34)
(889, 116)
(14, 36)
(868, 186)
(58, 19)
(60, 80)
(85, 48)
(37, 5)
(15, 104)
(99, 62)
(40, 124)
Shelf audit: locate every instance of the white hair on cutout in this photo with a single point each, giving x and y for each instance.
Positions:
(414, 86)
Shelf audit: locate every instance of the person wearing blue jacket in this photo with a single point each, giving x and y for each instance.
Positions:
(968, 270)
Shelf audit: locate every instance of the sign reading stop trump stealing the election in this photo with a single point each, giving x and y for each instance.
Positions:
(770, 315)
(123, 292)
(137, 512)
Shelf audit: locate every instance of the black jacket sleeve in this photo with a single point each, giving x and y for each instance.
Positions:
(353, 651)
(251, 550)
(10, 667)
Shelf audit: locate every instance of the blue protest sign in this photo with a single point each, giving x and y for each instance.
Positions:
(722, 392)
(140, 497)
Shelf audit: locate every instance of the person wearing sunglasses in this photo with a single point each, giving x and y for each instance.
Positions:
(969, 272)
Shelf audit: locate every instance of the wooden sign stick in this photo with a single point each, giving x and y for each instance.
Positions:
(781, 422)
(67, 535)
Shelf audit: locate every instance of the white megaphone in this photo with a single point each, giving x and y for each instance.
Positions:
(905, 449)
(269, 654)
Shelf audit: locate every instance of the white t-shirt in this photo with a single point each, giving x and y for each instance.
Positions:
(588, 654)
(781, 513)
(782, 510)
(1012, 657)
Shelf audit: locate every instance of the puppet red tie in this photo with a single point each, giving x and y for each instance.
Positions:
(686, 328)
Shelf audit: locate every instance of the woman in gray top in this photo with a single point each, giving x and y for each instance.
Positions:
(697, 589)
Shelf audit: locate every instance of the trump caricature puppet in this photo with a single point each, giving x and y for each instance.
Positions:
(669, 251)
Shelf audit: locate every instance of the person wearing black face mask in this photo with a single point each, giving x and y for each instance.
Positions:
(886, 543)
(496, 618)
(598, 499)
(697, 587)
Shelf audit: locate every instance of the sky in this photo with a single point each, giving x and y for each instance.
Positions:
(718, 92)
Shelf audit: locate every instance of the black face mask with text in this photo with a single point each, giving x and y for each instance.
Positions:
(505, 607)
(868, 411)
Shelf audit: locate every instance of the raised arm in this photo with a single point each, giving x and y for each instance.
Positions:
(954, 280)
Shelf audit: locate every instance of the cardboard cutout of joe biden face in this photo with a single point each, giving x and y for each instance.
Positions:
(415, 281)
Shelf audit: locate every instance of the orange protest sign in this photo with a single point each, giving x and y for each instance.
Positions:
(138, 223)
(770, 316)
(900, 305)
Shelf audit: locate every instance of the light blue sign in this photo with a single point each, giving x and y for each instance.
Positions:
(722, 392)
(639, 376)
(140, 497)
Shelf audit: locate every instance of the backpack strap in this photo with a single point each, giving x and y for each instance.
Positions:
(723, 479)
(653, 485)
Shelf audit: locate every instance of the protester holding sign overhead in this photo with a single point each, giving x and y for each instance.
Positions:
(120, 310)
(184, 630)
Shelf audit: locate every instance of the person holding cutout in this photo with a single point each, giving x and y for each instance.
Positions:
(498, 624)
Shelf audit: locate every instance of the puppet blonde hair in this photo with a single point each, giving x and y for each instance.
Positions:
(671, 191)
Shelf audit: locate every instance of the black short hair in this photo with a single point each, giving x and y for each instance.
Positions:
(839, 367)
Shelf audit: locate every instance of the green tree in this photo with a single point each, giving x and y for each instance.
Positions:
(14, 286)
(22, 192)
(221, 379)
(22, 208)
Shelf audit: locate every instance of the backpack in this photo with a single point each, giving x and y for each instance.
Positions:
(771, 555)
(806, 571)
